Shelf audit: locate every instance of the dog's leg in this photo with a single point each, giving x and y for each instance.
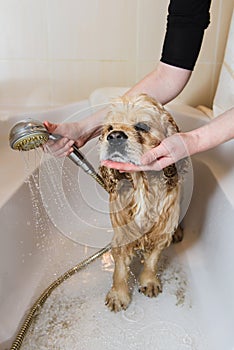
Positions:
(150, 284)
(119, 297)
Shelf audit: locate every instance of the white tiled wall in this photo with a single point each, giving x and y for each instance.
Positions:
(54, 52)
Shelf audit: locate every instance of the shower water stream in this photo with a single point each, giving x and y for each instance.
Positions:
(34, 189)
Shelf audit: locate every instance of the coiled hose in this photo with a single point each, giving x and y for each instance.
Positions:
(41, 300)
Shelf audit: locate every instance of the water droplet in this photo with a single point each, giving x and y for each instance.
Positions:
(187, 340)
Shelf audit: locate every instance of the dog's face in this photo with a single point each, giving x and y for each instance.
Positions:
(133, 126)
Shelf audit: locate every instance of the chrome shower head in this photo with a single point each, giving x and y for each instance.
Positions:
(28, 134)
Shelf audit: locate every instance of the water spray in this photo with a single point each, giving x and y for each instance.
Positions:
(26, 135)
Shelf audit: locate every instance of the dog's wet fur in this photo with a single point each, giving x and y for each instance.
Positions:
(144, 206)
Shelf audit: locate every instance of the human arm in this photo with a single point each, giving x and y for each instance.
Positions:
(178, 146)
(76, 132)
(164, 84)
(186, 23)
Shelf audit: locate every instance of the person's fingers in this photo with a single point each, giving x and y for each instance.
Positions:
(65, 150)
(60, 148)
(122, 167)
(153, 154)
(66, 153)
(162, 162)
(158, 165)
(50, 126)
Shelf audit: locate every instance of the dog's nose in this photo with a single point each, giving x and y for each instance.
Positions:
(117, 137)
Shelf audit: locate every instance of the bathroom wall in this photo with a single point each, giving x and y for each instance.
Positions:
(54, 52)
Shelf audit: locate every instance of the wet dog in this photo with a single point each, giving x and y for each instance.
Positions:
(144, 206)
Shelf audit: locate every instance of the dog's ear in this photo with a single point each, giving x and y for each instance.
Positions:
(111, 178)
(169, 125)
(173, 173)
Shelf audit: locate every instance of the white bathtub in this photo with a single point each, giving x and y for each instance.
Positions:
(196, 308)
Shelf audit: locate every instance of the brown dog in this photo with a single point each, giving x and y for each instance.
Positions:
(144, 206)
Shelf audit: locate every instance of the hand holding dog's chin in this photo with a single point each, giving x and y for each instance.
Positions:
(131, 168)
(169, 151)
(122, 167)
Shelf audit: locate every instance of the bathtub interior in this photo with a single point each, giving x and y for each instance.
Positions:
(195, 310)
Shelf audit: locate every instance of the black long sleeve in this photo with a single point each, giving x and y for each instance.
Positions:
(186, 23)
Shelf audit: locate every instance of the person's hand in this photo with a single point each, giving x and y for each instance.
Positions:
(63, 146)
(71, 133)
(169, 151)
(77, 133)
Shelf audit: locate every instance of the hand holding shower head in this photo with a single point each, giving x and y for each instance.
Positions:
(29, 134)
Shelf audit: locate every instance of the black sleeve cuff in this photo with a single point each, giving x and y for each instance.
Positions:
(184, 35)
(181, 47)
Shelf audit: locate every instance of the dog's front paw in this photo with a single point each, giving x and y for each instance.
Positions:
(117, 300)
(151, 288)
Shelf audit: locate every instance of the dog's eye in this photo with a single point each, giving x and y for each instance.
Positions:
(142, 127)
(110, 128)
